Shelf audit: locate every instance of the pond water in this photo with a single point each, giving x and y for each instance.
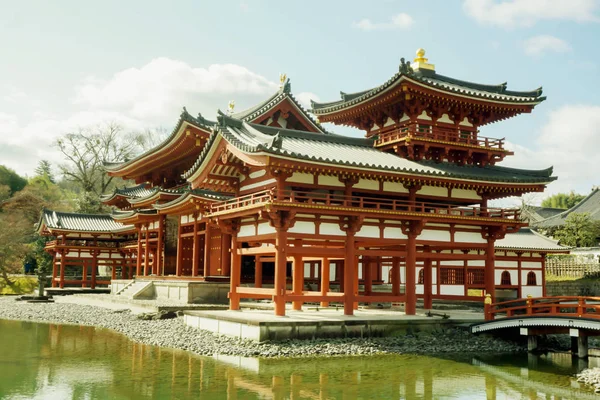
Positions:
(45, 361)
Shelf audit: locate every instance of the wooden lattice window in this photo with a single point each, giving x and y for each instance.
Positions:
(476, 277)
(421, 276)
(505, 278)
(531, 279)
(452, 276)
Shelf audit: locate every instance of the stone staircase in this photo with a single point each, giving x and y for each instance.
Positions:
(130, 291)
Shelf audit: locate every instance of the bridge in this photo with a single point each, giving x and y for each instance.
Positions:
(577, 316)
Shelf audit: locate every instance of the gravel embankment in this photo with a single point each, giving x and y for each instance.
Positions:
(174, 334)
(591, 377)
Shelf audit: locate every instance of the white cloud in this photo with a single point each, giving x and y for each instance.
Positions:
(538, 45)
(524, 13)
(304, 99)
(160, 88)
(147, 97)
(398, 21)
(570, 141)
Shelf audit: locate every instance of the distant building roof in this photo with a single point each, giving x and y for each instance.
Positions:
(528, 239)
(589, 205)
(63, 221)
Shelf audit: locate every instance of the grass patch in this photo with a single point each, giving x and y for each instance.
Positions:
(21, 285)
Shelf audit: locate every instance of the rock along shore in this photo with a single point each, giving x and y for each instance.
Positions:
(173, 333)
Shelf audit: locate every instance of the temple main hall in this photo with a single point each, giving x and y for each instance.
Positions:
(271, 205)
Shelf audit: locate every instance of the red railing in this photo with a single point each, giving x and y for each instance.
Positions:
(440, 133)
(563, 306)
(370, 204)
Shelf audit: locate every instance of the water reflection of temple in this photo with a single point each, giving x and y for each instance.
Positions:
(84, 362)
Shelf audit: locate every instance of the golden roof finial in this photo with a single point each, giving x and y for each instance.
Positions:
(421, 61)
(231, 106)
(282, 78)
(420, 56)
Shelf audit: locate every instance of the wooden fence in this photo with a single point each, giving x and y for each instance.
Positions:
(573, 267)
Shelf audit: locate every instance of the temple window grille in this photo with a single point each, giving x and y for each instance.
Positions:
(531, 279)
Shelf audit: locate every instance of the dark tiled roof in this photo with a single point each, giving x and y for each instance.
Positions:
(205, 194)
(527, 239)
(130, 192)
(283, 93)
(353, 152)
(589, 205)
(102, 223)
(156, 191)
(198, 121)
(436, 81)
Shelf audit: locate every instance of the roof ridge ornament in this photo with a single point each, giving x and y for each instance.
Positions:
(284, 83)
(405, 67)
(230, 106)
(420, 62)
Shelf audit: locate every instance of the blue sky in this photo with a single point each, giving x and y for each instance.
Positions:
(70, 64)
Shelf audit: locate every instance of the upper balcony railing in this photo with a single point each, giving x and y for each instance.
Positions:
(441, 134)
(360, 203)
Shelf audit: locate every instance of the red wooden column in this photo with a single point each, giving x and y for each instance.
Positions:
(62, 269)
(94, 268)
(207, 233)
(396, 276)
(325, 267)
(138, 270)
(84, 273)
(54, 269)
(258, 271)
(226, 246)
(298, 281)
(159, 246)
(352, 225)
(367, 264)
(195, 248)
(280, 269)
(411, 229)
(179, 262)
(355, 303)
(427, 285)
(491, 234)
(235, 273)
(543, 274)
(146, 251)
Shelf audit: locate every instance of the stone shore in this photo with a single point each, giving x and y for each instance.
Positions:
(173, 333)
(591, 377)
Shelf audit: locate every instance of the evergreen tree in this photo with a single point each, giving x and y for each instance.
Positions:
(10, 178)
(44, 169)
(563, 200)
(579, 230)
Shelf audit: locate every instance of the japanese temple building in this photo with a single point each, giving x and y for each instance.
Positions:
(282, 209)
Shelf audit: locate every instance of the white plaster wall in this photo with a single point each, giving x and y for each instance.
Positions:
(465, 194)
(469, 237)
(328, 180)
(433, 191)
(303, 227)
(508, 264)
(445, 118)
(531, 264)
(389, 122)
(369, 231)
(395, 187)
(368, 184)
(301, 177)
(257, 174)
(514, 276)
(420, 289)
(429, 234)
(534, 291)
(264, 228)
(393, 233)
(331, 229)
(538, 277)
(452, 290)
(476, 263)
(258, 184)
(424, 116)
(247, 230)
(465, 122)
(456, 263)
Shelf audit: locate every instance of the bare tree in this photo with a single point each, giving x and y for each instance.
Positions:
(87, 149)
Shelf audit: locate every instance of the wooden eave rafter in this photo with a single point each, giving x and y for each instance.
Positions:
(495, 190)
(138, 218)
(157, 197)
(288, 108)
(396, 94)
(188, 140)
